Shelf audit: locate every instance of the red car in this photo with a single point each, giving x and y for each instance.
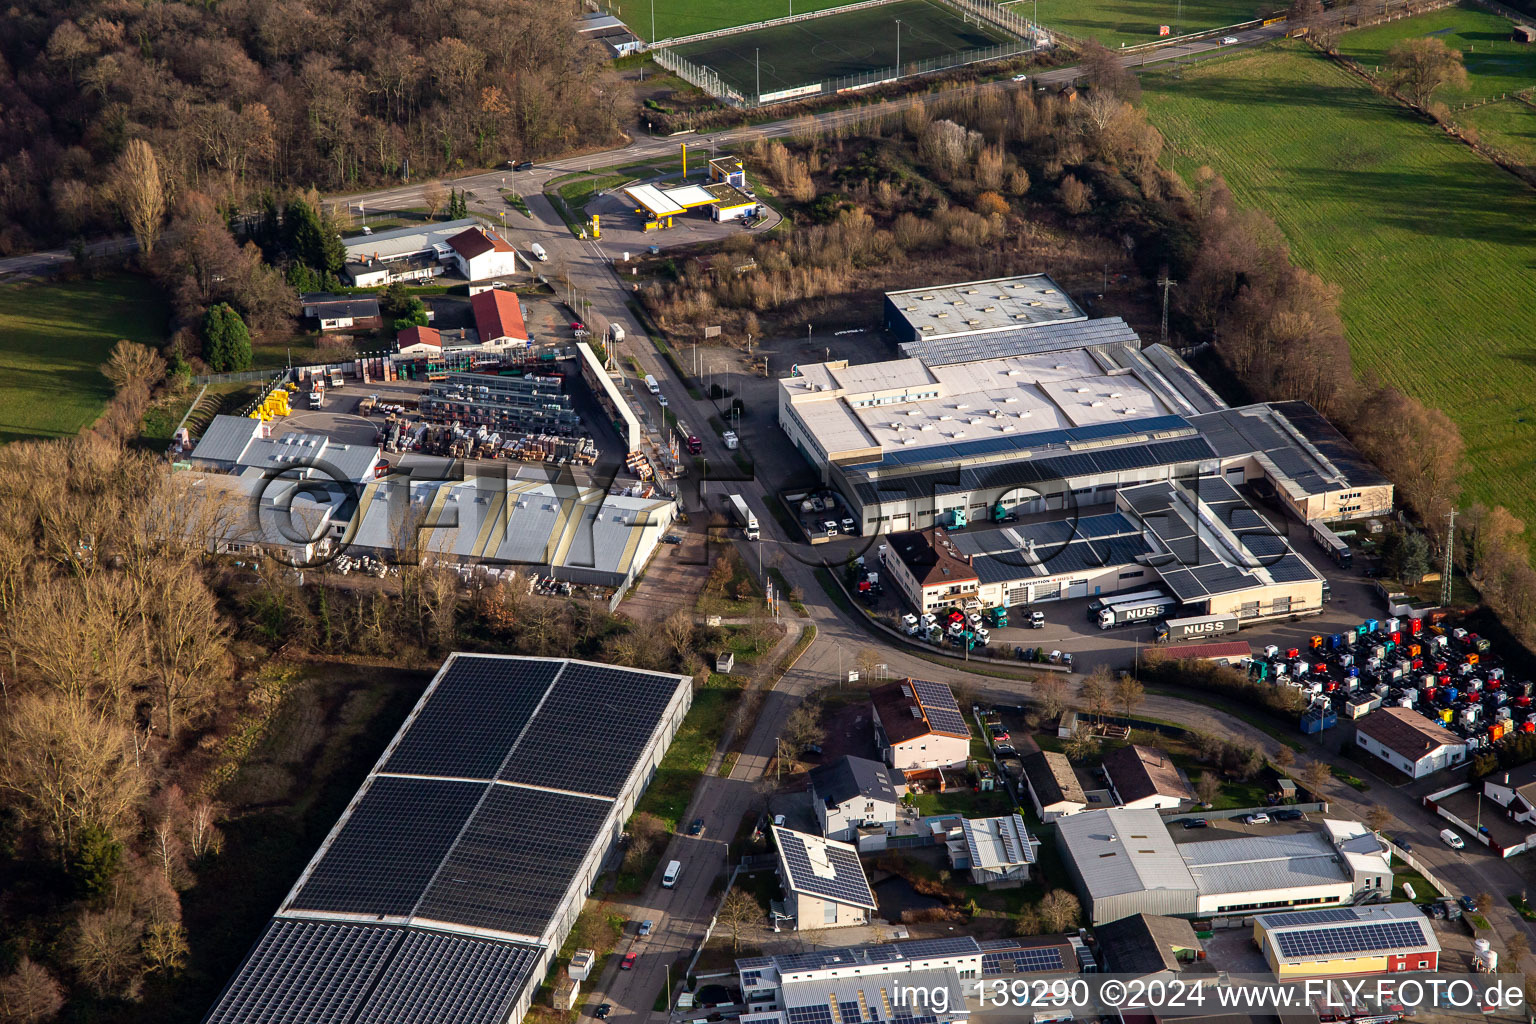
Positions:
(628, 963)
(577, 325)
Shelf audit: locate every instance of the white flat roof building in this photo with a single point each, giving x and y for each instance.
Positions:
(978, 307)
(1126, 862)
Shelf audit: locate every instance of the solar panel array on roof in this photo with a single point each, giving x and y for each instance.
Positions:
(448, 847)
(940, 707)
(436, 978)
(1045, 470)
(1351, 938)
(1021, 961)
(321, 972)
(1039, 441)
(627, 704)
(389, 847)
(1290, 569)
(1330, 916)
(515, 860)
(472, 717)
(846, 884)
(1026, 341)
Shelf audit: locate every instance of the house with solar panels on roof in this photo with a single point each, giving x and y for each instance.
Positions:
(449, 883)
(824, 882)
(1386, 939)
(998, 852)
(872, 984)
(919, 729)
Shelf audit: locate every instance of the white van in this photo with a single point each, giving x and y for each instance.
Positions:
(539, 253)
(1451, 839)
(651, 385)
(669, 879)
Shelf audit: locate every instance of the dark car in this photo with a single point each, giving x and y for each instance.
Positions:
(1290, 815)
(526, 165)
(1196, 823)
(697, 827)
(628, 963)
(602, 1011)
(1468, 904)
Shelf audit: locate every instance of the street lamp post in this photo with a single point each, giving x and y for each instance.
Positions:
(898, 47)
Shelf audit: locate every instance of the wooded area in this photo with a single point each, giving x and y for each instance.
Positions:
(241, 96)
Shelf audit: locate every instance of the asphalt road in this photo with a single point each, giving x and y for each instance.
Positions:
(532, 181)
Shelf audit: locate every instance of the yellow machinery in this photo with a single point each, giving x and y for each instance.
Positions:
(275, 404)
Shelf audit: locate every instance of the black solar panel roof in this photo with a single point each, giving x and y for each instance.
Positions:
(438, 978)
(1351, 938)
(316, 972)
(308, 971)
(626, 702)
(515, 860)
(1290, 569)
(389, 848)
(846, 884)
(471, 719)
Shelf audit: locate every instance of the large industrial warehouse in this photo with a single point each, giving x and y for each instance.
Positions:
(460, 866)
(1009, 403)
(1126, 862)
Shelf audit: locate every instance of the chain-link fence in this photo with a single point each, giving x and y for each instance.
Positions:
(908, 69)
(702, 77)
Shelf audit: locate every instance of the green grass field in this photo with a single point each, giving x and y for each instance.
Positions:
(1128, 22)
(1432, 245)
(54, 335)
(672, 18)
(1495, 64)
(838, 44)
(1507, 125)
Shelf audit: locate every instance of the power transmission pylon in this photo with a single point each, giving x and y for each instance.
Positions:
(1450, 547)
(1165, 283)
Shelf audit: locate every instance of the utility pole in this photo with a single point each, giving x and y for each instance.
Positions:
(1165, 283)
(757, 55)
(1450, 547)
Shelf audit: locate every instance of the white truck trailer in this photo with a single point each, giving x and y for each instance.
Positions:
(744, 516)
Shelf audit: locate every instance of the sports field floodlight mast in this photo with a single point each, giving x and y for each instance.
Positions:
(898, 47)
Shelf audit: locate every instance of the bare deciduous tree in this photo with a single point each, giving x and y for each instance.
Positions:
(132, 364)
(1207, 787)
(29, 994)
(105, 951)
(139, 192)
(1421, 66)
(738, 910)
(433, 197)
(69, 766)
(1378, 817)
(1129, 694)
(1060, 910)
(1315, 776)
(1051, 693)
(185, 641)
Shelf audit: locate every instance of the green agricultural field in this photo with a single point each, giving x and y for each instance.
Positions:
(1432, 245)
(667, 19)
(1128, 22)
(806, 52)
(1507, 125)
(1495, 64)
(54, 335)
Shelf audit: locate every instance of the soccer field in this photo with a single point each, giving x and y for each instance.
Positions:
(1127, 22)
(686, 17)
(787, 56)
(1431, 244)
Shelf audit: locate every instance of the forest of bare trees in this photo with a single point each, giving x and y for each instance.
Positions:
(110, 111)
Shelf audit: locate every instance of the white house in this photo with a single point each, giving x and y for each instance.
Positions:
(1145, 778)
(918, 727)
(853, 793)
(824, 883)
(481, 255)
(998, 852)
(1409, 742)
(1053, 786)
(1515, 791)
(499, 320)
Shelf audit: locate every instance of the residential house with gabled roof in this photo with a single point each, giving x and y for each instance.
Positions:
(919, 728)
